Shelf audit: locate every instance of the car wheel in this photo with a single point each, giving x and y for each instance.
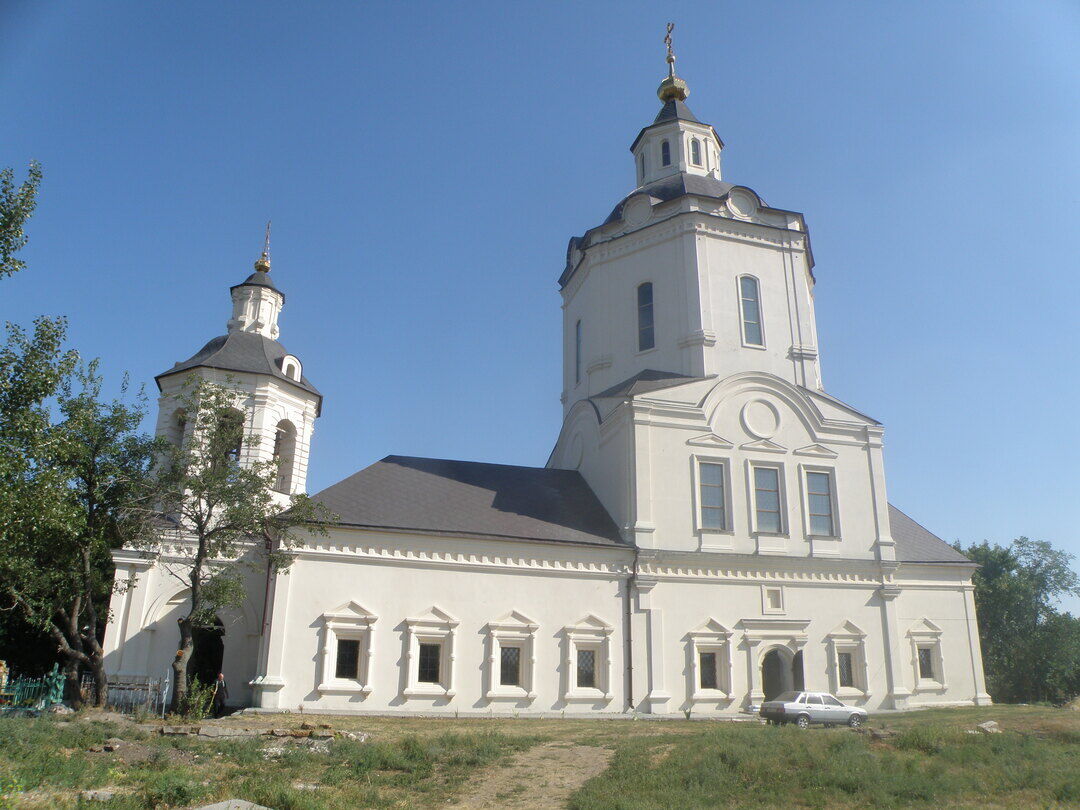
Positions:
(803, 721)
(855, 720)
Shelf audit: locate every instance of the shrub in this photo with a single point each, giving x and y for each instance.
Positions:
(197, 702)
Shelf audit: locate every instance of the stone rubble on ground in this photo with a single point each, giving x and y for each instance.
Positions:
(99, 795)
(989, 727)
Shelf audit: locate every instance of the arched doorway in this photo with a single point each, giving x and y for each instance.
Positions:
(205, 662)
(781, 672)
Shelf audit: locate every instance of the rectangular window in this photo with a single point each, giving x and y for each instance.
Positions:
(430, 658)
(847, 673)
(774, 599)
(767, 499)
(577, 353)
(586, 669)
(749, 297)
(819, 496)
(646, 333)
(348, 659)
(510, 666)
(926, 663)
(707, 665)
(713, 496)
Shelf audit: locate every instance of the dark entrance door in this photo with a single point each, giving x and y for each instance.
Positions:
(205, 662)
(772, 674)
(797, 673)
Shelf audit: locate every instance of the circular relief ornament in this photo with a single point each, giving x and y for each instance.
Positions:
(637, 210)
(742, 203)
(760, 419)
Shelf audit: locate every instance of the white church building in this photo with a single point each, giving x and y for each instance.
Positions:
(710, 529)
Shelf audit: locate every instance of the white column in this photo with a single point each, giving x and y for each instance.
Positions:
(982, 698)
(657, 696)
(898, 691)
(270, 681)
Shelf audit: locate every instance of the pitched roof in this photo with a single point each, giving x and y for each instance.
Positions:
(259, 279)
(645, 381)
(673, 186)
(915, 543)
(245, 352)
(675, 110)
(455, 498)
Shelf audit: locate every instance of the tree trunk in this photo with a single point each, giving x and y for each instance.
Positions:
(72, 687)
(101, 683)
(180, 663)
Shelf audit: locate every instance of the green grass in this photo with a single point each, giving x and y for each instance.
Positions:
(929, 761)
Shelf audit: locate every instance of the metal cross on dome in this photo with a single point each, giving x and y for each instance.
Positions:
(670, 52)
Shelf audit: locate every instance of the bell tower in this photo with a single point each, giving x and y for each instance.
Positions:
(690, 275)
(277, 402)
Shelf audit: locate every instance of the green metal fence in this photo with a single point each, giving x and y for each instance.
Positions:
(32, 693)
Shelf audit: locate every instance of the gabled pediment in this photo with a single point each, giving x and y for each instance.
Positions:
(434, 616)
(924, 627)
(764, 446)
(351, 613)
(847, 629)
(817, 450)
(591, 622)
(710, 440)
(514, 619)
(711, 628)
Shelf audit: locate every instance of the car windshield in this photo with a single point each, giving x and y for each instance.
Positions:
(787, 697)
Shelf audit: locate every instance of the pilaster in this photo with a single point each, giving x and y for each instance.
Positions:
(898, 691)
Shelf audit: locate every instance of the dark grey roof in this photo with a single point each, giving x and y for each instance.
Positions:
(243, 351)
(454, 498)
(915, 543)
(259, 279)
(675, 110)
(645, 381)
(674, 186)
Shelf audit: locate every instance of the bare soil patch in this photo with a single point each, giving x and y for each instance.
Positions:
(541, 778)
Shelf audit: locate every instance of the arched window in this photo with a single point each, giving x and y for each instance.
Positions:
(290, 367)
(577, 353)
(229, 437)
(646, 336)
(695, 152)
(178, 427)
(665, 154)
(750, 301)
(284, 455)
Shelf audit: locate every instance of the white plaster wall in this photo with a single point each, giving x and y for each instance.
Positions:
(398, 577)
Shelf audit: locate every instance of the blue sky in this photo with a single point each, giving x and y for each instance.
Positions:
(424, 165)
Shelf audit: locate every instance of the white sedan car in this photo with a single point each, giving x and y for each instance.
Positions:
(804, 708)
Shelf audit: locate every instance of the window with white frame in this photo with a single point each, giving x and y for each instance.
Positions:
(713, 495)
(750, 304)
(347, 650)
(772, 599)
(587, 660)
(430, 659)
(847, 658)
(645, 323)
(710, 655)
(767, 481)
(821, 503)
(511, 657)
(929, 664)
(665, 153)
(577, 353)
(695, 152)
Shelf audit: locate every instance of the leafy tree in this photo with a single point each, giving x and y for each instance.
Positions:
(1031, 650)
(218, 514)
(77, 494)
(16, 206)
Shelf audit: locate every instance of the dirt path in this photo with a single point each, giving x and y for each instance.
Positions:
(542, 778)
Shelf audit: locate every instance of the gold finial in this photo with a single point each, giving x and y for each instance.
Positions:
(263, 264)
(672, 87)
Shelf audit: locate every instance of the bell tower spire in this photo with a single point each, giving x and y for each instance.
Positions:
(672, 88)
(257, 302)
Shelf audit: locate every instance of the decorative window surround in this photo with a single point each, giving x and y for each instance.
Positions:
(352, 622)
(772, 600)
(927, 635)
(590, 633)
(848, 638)
(434, 627)
(512, 630)
(713, 538)
(820, 545)
(711, 637)
(768, 542)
